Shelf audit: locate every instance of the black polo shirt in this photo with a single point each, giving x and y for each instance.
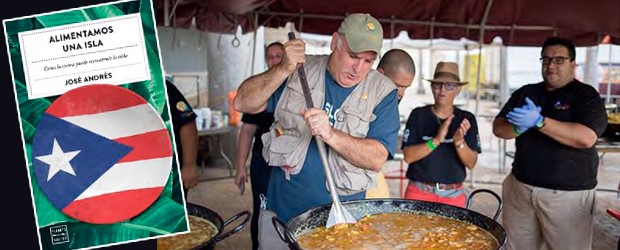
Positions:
(181, 113)
(262, 120)
(542, 161)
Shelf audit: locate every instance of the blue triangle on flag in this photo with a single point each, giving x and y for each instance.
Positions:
(97, 155)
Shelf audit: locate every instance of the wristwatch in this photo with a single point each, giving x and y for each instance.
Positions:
(461, 145)
(541, 122)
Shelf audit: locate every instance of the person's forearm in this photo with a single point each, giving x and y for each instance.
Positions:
(568, 133)
(254, 92)
(503, 129)
(416, 152)
(361, 152)
(467, 156)
(189, 142)
(244, 144)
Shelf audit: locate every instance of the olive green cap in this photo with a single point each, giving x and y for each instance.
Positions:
(363, 33)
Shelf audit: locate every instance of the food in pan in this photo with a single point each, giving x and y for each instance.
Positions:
(400, 231)
(201, 231)
(613, 118)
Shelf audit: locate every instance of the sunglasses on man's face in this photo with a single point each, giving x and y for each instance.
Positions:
(446, 85)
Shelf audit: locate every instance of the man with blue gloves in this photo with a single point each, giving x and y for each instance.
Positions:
(549, 194)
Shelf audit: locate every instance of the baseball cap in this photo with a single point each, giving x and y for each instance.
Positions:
(363, 33)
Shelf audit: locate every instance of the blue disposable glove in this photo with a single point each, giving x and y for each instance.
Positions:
(525, 117)
(520, 129)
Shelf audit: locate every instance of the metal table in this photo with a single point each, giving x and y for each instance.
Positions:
(217, 133)
(607, 146)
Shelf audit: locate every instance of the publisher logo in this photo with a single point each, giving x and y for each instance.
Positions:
(59, 234)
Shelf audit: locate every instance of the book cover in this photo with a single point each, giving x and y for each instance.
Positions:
(95, 125)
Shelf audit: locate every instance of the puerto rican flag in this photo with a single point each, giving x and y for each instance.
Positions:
(101, 154)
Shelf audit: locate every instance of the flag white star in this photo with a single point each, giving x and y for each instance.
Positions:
(58, 160)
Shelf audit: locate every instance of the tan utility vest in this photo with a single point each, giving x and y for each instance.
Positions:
(287, 142)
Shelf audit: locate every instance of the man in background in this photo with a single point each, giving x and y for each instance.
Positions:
(185, 135)
(255, 125)
(550, 192)
(186, 141)
(397, 65)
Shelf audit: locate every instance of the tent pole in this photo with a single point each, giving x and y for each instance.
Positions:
(609, 76)
(301, 20)
(166, 13)
(174, 8)
(480, 43)
(392, 33)
(421, 64)
(478, 83)
(254, 43)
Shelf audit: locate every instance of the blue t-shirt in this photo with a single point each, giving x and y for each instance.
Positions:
(308, 188)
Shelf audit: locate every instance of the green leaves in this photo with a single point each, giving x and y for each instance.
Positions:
(30, 110)
(103, 12)
(58, 19)
(163, 217)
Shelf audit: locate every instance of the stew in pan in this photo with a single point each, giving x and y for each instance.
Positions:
(400, 231)
(201, 230)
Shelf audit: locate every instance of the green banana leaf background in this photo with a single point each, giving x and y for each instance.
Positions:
(167, 214)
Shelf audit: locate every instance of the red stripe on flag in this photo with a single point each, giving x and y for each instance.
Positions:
(154, 144)
(113, 207)
(91, 97)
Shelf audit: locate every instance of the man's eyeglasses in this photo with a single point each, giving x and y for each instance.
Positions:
(556, 59)
(446, 85)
